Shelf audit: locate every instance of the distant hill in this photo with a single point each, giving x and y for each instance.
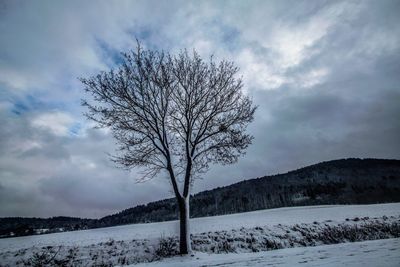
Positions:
(19, 226)
(345, 181)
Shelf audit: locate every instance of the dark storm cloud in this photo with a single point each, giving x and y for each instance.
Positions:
(353, 112)
(324, 75)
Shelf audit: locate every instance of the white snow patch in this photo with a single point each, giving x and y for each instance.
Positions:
(384, 252)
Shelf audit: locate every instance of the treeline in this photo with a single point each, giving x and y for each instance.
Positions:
(347, 181)
(18, 226)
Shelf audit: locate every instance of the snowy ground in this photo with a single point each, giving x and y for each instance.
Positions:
(239, 233)
(384, 252)
(272, 217)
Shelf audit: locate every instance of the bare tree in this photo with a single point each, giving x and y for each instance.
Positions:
(172, 113)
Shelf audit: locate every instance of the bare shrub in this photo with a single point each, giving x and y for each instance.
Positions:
(167, 247)
(50, 256)
(45, 257)
(225, 246)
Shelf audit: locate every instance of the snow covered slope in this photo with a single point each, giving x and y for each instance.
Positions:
(384, 252)
(286, 216)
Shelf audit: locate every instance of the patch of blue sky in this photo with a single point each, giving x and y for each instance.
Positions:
(110, 55)
(31, 103)
(75, 129)
(150, 37)
(230, 36)
(227, 35)
(143, 33)
(147, 36)
(26, 104)
(19, 108)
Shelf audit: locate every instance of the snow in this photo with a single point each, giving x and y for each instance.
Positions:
(384, 252)
(271, 217)
(240, 233)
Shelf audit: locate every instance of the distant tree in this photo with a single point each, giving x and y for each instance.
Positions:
(172, 113)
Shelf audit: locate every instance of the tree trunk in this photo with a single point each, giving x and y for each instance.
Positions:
(184, 241)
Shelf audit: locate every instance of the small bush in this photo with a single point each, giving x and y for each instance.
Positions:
(45, 257)
(110, 242)
(225, 247)
(48, 257)
(167, 247)
(270, 244)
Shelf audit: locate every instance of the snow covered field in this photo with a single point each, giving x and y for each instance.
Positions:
(384, 252)
(240, 233)
(286, 216)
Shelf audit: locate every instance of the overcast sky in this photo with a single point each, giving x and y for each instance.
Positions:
(325, 75)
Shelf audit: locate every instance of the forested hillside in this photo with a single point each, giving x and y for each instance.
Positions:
(346, 181)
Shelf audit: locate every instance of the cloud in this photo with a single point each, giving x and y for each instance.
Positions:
(324, 75)
(56, 122)
(48, 172)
